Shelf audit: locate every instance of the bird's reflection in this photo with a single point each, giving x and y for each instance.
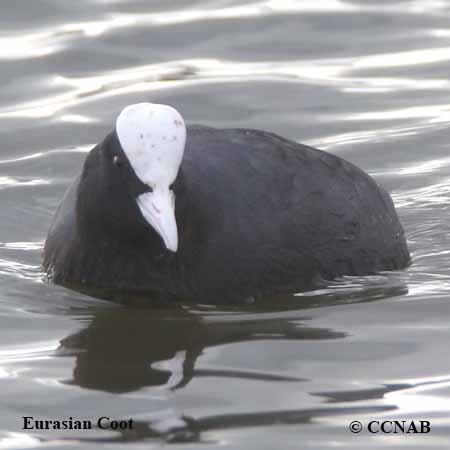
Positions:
(124, 349)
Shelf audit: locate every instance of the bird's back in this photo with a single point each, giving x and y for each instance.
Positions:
(275, 213)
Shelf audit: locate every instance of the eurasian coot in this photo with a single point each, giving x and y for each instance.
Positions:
(216, 215)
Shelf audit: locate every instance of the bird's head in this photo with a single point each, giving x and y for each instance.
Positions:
(133, 171)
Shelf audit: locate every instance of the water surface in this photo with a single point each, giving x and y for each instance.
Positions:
(365, 80)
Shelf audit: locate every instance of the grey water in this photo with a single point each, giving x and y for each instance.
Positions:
(366, 80)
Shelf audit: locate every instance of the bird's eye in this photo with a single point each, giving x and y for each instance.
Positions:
(119, 162)
(171, 186)
(149, 189)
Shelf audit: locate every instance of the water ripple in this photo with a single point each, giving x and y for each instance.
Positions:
(188, 71)
(20, 441)
(26, 246)
(20, 270)
(427, 197)
(417, 168)
(52, 40)
(32, 352)
(6, 182)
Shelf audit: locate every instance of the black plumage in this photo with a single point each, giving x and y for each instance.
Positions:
(257, 214)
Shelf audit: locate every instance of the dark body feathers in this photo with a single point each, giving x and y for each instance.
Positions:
(256, 214)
